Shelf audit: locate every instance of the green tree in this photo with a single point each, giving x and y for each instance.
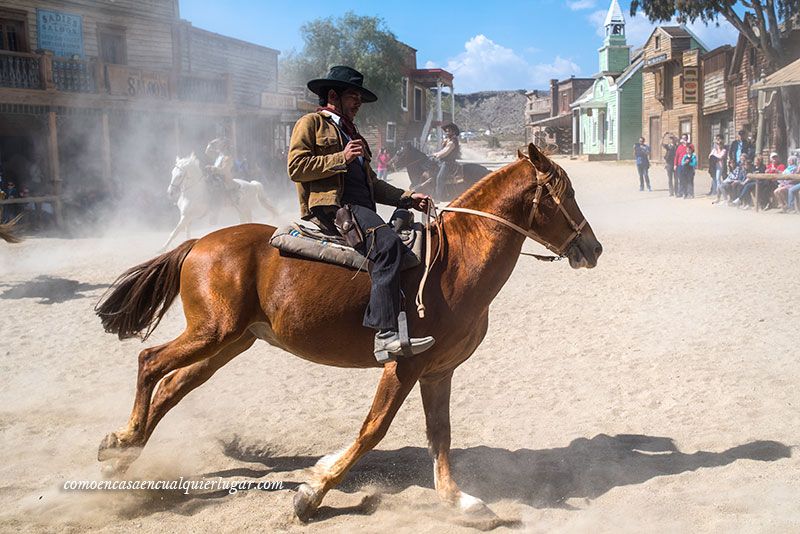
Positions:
(761, 22)
(364, 43)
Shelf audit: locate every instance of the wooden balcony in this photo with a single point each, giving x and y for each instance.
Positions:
(44, 72)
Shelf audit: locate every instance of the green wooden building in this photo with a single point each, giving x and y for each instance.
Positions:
(607, 118)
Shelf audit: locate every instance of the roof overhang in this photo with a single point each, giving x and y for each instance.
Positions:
(432, 77)
(785, 77)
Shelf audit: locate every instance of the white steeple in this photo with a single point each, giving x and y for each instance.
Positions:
(615, 15)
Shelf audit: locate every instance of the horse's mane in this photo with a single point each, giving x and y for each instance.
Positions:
(188, 160)
(559, 181)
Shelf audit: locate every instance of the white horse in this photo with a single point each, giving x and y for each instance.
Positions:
(195, 197)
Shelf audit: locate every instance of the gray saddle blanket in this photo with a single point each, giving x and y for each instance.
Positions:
(313, 244)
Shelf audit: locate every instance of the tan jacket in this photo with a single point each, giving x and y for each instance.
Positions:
(316, 164)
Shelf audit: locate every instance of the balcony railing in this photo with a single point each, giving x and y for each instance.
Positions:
(43, 71)
(74, 75)
(20, 71)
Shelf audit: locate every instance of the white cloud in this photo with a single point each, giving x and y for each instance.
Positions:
(485, 65)
(577, 5)
(639, 28)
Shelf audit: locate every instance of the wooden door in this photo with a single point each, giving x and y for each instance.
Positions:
(655, 140)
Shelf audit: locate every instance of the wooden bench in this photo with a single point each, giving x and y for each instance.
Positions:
(759, 177)
(52, 199)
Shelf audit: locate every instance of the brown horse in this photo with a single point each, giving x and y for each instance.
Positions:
(422, 170)
(7, 231)
(236, 288)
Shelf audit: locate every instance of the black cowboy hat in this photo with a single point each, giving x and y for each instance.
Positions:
(452, 127)
(342, 77)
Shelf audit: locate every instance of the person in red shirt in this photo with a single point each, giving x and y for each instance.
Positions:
(775, 166)
(679, 153)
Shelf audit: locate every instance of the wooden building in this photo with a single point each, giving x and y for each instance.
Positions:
(557, 129)
(671, 89)
(607, 117)
(748, 67)
(537, 107)
(98, 98)
(427, 101)
(717, 95)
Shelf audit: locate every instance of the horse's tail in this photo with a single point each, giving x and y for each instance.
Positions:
(7, 231)
(141, 295)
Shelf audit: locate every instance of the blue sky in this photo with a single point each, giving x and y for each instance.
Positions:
(510, 44)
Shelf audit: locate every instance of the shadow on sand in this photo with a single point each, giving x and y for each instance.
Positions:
(50, 290)
(546, 478)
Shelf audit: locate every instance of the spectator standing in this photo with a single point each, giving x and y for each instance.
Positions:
(383, 163)
(688, 167)
(641, 152)
(740, 146)
(717, 163)
(669, 164)
(679, 153)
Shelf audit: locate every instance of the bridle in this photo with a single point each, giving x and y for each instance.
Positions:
(179, 182)
(541, 186)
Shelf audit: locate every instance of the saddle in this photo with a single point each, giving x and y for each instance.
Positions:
(313, 244)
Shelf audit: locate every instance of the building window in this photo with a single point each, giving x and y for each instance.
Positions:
(111, 44)
(404, 93)
(658, 42)
(391, 132)
(418, 104)
(13, 34)
(658, 77)
(686, 128)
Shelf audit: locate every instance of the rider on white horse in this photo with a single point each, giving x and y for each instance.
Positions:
(219, 151)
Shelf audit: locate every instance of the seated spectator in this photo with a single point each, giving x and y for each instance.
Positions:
(758, 165)
(781, 193)
(745, 196)
(730, 185)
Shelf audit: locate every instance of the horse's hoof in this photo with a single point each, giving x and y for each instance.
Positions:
(115, 456)
(305, 502)
(108, 446)
(474, 507)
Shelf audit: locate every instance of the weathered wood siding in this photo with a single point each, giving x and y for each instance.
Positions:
(630, 115)
(253, 68)
(672, 111)
(147, 23)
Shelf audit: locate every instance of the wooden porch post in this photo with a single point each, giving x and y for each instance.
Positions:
(176, 127)
(106, 133)
(55, 172)
(234, 140)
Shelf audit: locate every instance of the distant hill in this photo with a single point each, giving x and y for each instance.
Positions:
(502, 112)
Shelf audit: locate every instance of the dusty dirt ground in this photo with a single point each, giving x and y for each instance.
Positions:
(656, 392)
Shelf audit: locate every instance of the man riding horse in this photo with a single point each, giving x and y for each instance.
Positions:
(219, 151)
(447, 156)
(329, 161)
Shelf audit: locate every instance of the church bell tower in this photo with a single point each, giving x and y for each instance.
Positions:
(615, 54)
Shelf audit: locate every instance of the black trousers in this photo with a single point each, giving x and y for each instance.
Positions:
(382, 246)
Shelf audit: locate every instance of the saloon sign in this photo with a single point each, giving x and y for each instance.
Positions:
(691, 85)
(60, 32)
(139, 83)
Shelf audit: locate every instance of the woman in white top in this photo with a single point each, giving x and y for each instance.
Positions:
(717, 164)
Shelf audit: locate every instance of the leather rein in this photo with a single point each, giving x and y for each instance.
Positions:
(540, 187)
